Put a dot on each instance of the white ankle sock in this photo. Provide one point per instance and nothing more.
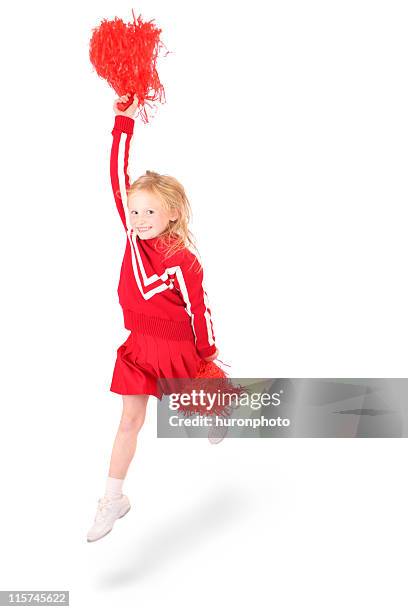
(114, 487)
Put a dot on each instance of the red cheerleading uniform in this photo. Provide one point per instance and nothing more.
(164, 302)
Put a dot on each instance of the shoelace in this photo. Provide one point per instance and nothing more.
(103, 505)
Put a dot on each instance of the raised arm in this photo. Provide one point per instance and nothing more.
(122, 133)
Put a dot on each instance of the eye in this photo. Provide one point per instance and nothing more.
(133, 211)
(150, 211)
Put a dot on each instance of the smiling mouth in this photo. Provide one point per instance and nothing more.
(144, 229)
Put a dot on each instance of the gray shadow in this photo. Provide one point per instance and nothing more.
(175, 536)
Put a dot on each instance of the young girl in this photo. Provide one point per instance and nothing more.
(165, 305)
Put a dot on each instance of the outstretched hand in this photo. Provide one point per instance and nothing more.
(131, 110)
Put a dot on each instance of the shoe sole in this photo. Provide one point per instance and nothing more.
(105, 534)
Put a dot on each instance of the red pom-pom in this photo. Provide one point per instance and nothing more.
(211, 379)
(125, 55)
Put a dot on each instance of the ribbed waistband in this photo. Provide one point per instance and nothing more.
(154, 326)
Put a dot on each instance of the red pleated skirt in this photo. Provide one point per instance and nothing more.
(155, 349)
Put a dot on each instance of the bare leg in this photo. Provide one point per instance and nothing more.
(124, 446)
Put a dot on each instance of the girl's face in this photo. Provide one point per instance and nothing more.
(147, 215)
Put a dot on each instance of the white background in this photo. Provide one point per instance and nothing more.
(287, 124)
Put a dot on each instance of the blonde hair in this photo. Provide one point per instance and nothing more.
(173, 198)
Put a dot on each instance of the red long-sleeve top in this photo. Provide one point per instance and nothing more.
(157, 295)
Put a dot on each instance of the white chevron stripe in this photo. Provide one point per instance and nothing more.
(155, 290)
(146, 280)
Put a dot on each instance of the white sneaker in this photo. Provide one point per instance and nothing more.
(107, 512)
(217, 433)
